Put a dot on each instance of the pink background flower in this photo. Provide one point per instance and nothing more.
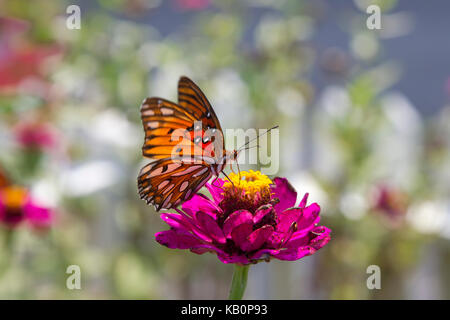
(17, 206)
(35, 135)
(192, 4)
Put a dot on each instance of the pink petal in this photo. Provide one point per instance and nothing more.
(215, 189)
(285, 193)
(299, 239)
(287, 218)
(183, 222)
(275, 240)
(200, 202)
(322, 237)
(210, 226)
(240, 233)
(316, 238)
(263, 253)
(261, 213)
(201, 249)
(222, 255)
(38, 216)
(309, 217)
(256, 239)
(177, 239)
(236, 219)
(284, 254)
(233, 259)
(304, 201)
(294, 254)
(176, 221)
(204, 247)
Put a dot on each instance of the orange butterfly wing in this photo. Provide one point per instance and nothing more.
(191, 98)
(165, 183)
(178, 136)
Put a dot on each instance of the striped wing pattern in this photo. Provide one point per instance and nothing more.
(176, 137)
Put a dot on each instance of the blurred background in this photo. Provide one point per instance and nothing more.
(364, 128)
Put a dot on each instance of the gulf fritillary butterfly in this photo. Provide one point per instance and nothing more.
(181, 168)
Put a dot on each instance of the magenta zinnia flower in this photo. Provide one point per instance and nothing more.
(391, 203)
(17, 206)
(246, 221)
(36, 135)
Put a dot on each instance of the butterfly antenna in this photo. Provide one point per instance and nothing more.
(257, 146)
(259, 135)
(228, 178)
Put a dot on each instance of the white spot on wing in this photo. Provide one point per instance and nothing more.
(168, 188)
(166, 111)
(188, 170)
(156, 172)
(200, 172)
(163, 184)
(183, 186)
(166, 201)
(148, 112)
(153, 124)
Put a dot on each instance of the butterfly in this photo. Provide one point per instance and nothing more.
(187, 145)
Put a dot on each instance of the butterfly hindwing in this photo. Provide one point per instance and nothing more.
(167, 183)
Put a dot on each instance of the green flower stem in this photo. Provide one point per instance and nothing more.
(239, 282)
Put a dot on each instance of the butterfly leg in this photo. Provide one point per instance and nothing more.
(228, 178)
(239, 170)
(212, 183)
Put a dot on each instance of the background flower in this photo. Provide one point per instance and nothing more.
(35, 135)
(17, 206)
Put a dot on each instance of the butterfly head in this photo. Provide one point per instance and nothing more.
(231, 156)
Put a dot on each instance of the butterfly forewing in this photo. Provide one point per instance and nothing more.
(191, 97)
(166, 125)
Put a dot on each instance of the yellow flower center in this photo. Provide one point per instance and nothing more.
(248, 190)
(249, 183)
(14, 197)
